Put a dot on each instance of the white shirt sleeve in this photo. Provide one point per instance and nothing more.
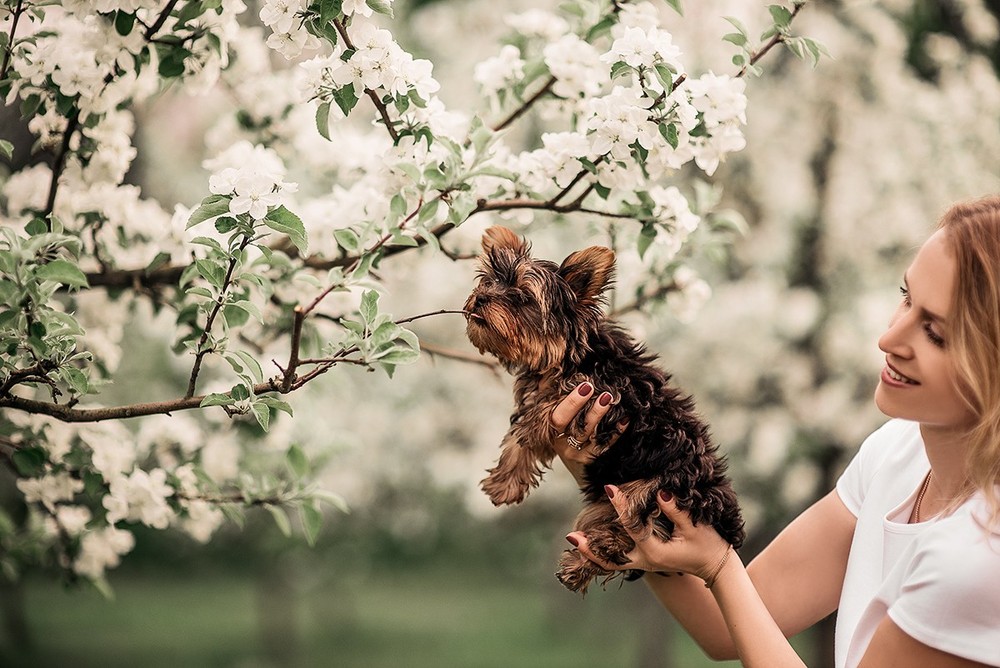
(950, 596)
(854, 482)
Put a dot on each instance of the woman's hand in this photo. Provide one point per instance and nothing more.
(695, 549)
(575, 449)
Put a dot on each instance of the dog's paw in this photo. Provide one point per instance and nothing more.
(575, 571)
(503, 493)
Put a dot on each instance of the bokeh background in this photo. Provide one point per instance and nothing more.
(847, 167)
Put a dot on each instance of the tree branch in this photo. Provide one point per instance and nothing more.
(200, 354)
(9, 51)
(59, 162)
(520, 111)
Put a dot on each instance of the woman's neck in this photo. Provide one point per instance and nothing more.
(945, 448)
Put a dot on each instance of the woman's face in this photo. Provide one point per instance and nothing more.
(918, 381)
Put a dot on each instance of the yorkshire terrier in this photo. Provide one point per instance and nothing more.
(545, 323)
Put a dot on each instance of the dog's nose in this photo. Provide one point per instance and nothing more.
(479, 302)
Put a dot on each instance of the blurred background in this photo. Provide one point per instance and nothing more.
(847, 168)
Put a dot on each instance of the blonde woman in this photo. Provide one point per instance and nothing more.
(907, 547)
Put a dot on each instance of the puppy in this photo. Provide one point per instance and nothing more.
(545, 323)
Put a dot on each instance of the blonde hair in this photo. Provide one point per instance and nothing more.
(973, 230)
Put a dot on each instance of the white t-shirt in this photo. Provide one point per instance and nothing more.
(938, 580)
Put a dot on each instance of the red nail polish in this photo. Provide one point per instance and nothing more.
(604, 399)
(665, 496)
(571, 539)
(610, 491)
(585, 389)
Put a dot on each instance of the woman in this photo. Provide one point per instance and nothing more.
(907, 547)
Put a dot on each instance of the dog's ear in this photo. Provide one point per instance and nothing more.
(589, 272)
(497, 237)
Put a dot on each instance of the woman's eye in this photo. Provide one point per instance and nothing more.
(906, 295)
(934, 337)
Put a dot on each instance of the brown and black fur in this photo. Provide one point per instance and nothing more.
(545, 323)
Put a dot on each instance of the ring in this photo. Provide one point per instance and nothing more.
(573, 443)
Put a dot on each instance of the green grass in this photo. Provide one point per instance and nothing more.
(414, 618)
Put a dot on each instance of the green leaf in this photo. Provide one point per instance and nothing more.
(277, 404)
(63, 272)
(36, 226)
(239, 392)
(6, 149)
(736, 23)
(284, 221)
(348, 240)
(781, 16)
(398, 356)
(280, 519)
(345, 98)
(234, 514)
(312, 521)
(211, 272)
(262, 413)
(620, 68)
(297, 460)
(217, 400)
(676, 4)
(30, 462)
(249, 307)
(739, 39)
(323, 120)
(211, 207)
(380, 6)
(646, 237)
(75, 379)
(124, 22)
(251, 363)
(369, 306)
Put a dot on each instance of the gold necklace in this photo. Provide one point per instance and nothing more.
(920, 498)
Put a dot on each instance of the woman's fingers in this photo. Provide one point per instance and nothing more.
(579, 540)
(563, 414)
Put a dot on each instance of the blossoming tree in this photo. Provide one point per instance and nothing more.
(271, 276)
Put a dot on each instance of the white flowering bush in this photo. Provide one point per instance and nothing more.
(335, 155)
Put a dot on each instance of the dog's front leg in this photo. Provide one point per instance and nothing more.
(524, 455)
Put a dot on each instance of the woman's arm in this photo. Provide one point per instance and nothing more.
(790, 586)
(891, 647)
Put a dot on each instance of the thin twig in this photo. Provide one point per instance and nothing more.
(774, 41)
(383, 112)
(60, 162)
(9, 51)
(520, 111)
(160, 20)
(461, 356)
(200, 354)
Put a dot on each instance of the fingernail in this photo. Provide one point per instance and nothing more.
(585, 389)
(665, 496)
(604, 399)
(571, 539)
(610, 491)
(622, 425)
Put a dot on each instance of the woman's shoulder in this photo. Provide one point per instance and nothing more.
(893, 442)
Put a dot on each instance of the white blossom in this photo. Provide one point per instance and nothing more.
(201, 520)
(140, 497)
(73, 519)
(102, 549)
(50, 489)
(499, 72)
(576, 65)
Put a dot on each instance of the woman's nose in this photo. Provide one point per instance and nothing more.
(894, 339)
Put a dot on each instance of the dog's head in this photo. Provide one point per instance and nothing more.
(531, 313)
